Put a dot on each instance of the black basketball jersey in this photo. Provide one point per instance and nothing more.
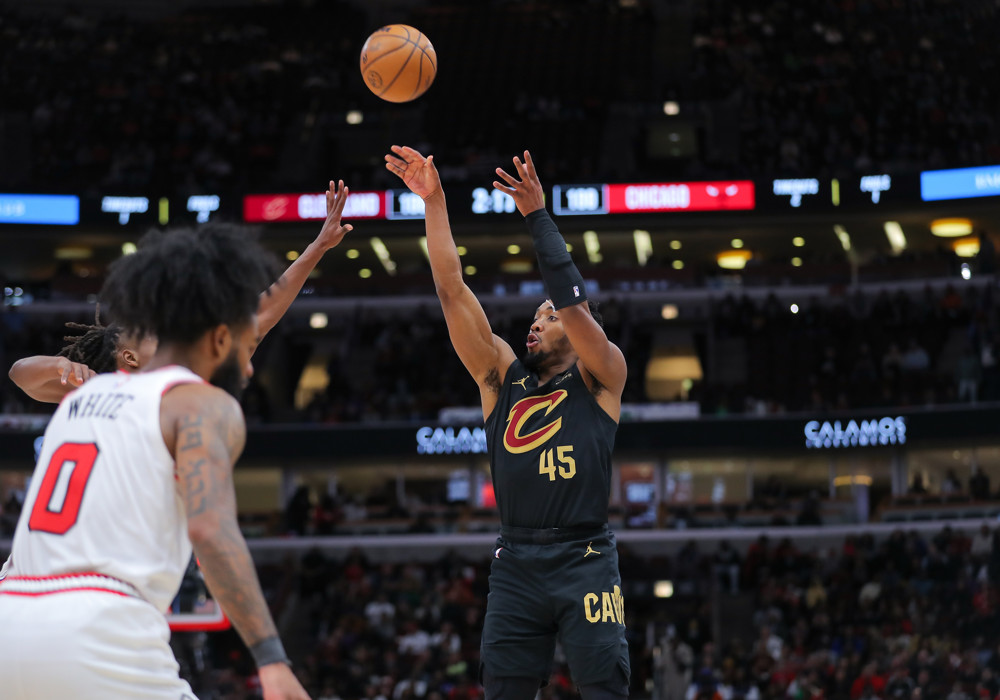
(550, 451)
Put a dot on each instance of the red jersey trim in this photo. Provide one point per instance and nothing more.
(27, 594)
(66, 583)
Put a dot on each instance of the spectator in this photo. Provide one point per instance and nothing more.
(869, 684)
(900, 683)
(968, 374)
(917, 488)
(675, 668)
(727, 567)
(982, 543)
(951, 484)
(298, 511)
(979, 484)
(915, 360)
(987, 256)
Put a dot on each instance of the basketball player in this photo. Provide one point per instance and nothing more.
(101, 348)
(134, 473)
(551, 419)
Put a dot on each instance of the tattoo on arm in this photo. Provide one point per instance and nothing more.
(231, 577)
(191, 467)
(190, 432)
(208, 444)
(194, 489)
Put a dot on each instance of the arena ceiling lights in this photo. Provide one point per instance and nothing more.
(733, 259)
(951, 228)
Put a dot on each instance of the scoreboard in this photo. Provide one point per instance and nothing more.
(867, 192)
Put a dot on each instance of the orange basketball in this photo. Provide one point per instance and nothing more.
(398, 63)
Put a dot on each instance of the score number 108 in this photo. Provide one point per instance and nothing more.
(569, 200)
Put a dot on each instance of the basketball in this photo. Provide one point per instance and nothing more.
(398, 63)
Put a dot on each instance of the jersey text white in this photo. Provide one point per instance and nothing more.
(103, 497)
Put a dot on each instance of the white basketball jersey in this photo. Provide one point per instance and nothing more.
(103, 497)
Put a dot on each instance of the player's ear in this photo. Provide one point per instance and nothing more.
(127, 357)
(221, 341)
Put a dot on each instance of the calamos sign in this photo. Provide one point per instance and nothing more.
(856, 433)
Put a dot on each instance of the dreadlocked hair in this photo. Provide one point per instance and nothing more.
(95, 346)
(183, 282)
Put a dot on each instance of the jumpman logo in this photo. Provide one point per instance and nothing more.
(590, 550)
(520, 382)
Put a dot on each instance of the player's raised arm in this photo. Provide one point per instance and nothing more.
(48, 378)
(563, 281)
(204, 429)
(485, 355)
(279, 296)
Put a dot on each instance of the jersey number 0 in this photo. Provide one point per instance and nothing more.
(57, 516)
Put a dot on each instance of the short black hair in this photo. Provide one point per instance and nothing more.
(592, 307)
(181, 283)
(96, 345)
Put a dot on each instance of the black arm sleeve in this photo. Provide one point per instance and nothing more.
(563, 280)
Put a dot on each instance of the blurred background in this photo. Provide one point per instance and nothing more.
(787, 211)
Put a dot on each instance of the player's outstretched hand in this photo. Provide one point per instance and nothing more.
(416, 172)
(278, 682)
(527, 192)
(73, 373)
(333, 230)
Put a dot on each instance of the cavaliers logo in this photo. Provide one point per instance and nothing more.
(521, 412)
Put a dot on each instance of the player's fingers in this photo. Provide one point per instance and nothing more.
(529, 164)
(64, 375)
(509, 179)
(339, 201)
(503, 188)
(396, 162)
(411, 154)
(79, 374)
(348, 228)
(91, 373)
(520, 168)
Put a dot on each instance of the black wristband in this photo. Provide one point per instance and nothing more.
(269, 651)
(563, 280)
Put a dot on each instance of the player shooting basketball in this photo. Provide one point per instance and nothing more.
(551, 419)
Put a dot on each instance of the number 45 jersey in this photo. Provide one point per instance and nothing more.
(550, 451)
(103, 497)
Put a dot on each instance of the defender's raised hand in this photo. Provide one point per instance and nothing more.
(333, 230)
(276, 299)
(527, 192)
(416, 172)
